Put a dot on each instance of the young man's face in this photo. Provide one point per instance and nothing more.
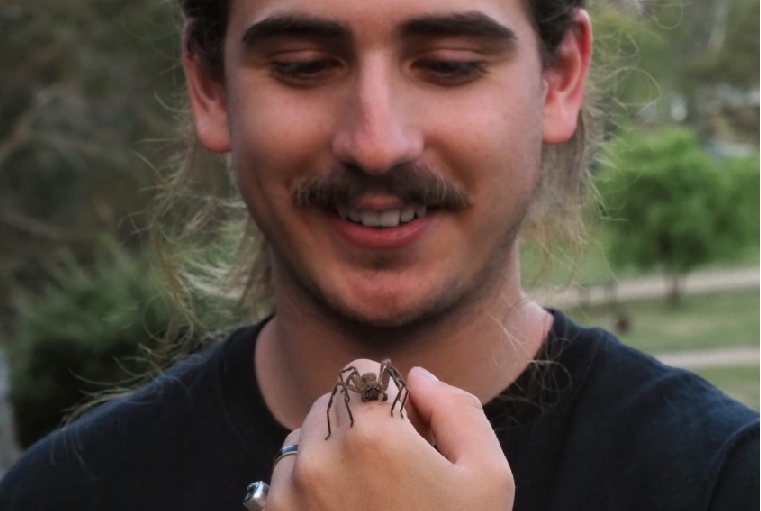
(367, 95)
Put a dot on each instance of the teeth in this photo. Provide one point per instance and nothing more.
(390, 218)
(371, 218)
(379, 219)
(355, 215)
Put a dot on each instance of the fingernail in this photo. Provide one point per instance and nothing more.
(425, 373)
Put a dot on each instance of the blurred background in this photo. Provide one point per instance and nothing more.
(91, 102)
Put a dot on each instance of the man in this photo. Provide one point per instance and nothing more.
(390, 152)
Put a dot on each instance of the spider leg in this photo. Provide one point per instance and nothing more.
(402, 394)
(330, 403)
(350, 383)
(348, 369)
(404, 399)
(393, 404)
(342, 384)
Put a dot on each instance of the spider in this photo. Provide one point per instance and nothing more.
(371, 387)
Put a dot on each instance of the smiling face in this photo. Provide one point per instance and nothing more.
(388, 150)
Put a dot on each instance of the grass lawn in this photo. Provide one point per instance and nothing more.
(702, 322)
(741, 382)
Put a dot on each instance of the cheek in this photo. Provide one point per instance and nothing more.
(274, 143)
(494, 151)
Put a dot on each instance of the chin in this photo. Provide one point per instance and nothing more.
(384, 315)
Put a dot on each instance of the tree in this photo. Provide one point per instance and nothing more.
(82, 92)
(83, 335)
(670, 205)
(84, 132)
(694, 62)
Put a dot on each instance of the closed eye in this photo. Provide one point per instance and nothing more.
(451, 72)
(303, 72)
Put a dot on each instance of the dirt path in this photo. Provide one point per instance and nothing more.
(719, 357)
(642, 288)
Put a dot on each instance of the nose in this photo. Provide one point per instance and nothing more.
(376, 132)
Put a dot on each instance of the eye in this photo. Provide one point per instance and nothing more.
(451, 72)
(303, 72)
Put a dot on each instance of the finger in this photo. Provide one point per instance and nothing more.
(281, 472)
(461, 430)
(314, 430)
(418, 423)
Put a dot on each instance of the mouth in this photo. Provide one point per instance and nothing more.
(382, 219)
(382, 223)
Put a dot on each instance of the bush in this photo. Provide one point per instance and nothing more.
(87, 331)
(674, 207)
(745, 176)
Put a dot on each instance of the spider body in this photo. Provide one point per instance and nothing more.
(370, 387)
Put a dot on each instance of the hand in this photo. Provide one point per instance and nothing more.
(383, 462)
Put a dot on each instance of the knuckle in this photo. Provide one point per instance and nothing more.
(362, 435)
(497, 474)
(491, 481)
(307, 474)
(467, 399)
(376, 433)
(366, 439)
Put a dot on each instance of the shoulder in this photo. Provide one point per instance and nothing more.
(122, 442)
(669, 428)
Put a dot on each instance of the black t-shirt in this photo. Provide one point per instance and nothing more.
(591, 425)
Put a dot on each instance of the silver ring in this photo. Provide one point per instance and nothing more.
(256, 496)
(287, 450)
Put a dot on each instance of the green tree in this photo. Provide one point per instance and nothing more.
(85, 333)
(669, 204)
(95, 329)
(81, 115)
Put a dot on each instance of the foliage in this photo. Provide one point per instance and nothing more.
(101, 328)
(670, 204)
(629, 70)
(744, 196)
(84, 333)
(83, 126)
(693, 62)
(731, 52)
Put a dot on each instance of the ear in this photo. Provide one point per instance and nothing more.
(564, 80)
(208, 101)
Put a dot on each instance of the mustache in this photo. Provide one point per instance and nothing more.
(411, 183)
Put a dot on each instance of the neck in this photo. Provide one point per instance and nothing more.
(481, 348)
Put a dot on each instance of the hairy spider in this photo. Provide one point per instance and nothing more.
(371, 387)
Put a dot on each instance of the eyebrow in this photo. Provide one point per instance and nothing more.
(458, 24)
(293, 26)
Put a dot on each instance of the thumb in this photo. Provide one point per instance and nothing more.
(462, 432)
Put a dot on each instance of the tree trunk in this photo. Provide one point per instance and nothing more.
(675, 290)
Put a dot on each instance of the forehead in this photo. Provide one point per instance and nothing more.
(369, 18)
